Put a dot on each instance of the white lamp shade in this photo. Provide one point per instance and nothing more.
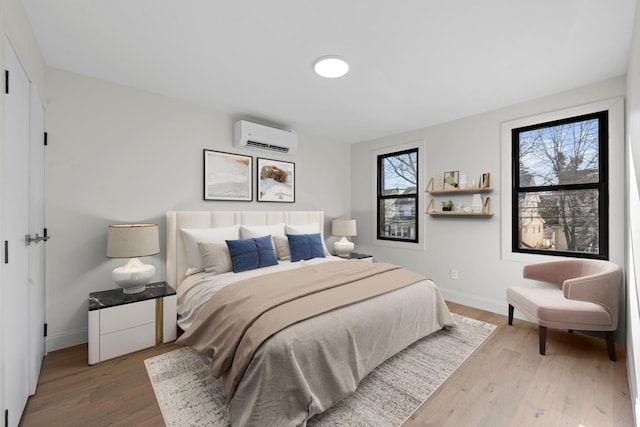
(133, 241)
(343, 227)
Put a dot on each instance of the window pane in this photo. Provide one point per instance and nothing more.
(400, 174)
(558, 155)
(398, 218)
(566, 221)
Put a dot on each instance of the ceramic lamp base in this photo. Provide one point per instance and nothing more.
(133, 276)
(343, 247)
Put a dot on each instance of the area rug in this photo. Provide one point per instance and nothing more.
(189, 396)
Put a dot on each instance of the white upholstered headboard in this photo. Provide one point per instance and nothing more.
(176, 220)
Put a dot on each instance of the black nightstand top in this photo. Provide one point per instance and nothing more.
(115, 297)
(356, 255)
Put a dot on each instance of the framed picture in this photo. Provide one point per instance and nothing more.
(451, 180)
(276, 181)
(227, 176)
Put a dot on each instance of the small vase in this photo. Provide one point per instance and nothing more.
(463, 182)
(476, 203)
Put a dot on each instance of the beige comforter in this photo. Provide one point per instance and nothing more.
(290, 377)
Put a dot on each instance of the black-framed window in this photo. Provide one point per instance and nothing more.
(560, 187)
(398, 196)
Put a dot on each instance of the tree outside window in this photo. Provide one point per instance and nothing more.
(560, 189)
(398, 196)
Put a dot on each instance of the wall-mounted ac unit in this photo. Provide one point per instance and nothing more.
(254, 136)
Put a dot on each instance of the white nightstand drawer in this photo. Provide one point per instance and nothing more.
(127, 341)
(127, 316)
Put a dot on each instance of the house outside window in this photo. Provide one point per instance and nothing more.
(397, 194)
(560, 187)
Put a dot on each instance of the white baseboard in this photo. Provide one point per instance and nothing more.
(494, 306)
(67, 339)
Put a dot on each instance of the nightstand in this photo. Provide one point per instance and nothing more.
(122, 323)
(355, 255)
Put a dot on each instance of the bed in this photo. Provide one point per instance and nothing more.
(282, 371)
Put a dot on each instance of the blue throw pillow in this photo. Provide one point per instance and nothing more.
(248, 254)
(305, 246)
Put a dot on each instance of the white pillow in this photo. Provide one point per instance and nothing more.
(191, 237)
(216, 258)
(253, 231)
(311, 228)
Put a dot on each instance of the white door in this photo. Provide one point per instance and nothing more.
(37, 228)
(23, 272)
(15, 184)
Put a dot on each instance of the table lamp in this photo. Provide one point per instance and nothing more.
(343, 227)
(133, 241)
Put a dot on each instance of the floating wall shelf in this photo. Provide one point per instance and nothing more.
(486, 208)
(472, 214)
(463, 190)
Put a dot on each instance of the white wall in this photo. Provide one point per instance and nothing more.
(470, 245)
(15, 24)
(117, 154)
(633, 213)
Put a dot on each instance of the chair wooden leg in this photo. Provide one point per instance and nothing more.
(542, 331)
(510, 314)
(611, 347)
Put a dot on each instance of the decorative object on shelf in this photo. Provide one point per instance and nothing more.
(133, 241)
(486, 180)
(447, 205)
(476, 203)
(276, 181)
(463, 181)
(438, 183)
(343, 227)
(451, 180)
(227, 176)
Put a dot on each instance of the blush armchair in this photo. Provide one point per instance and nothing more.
(585, 296)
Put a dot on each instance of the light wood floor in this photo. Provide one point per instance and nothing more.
(504, 383)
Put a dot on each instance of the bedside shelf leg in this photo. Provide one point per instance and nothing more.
(159, 320)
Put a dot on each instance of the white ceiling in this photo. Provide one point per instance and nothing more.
(413, 63)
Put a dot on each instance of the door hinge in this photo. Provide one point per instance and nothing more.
(45, 330)
(45, 139)
(6, 81)
(6, 252)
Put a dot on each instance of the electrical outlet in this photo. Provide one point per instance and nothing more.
(454, 273)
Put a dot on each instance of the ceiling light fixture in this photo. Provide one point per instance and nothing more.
(331, 67)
